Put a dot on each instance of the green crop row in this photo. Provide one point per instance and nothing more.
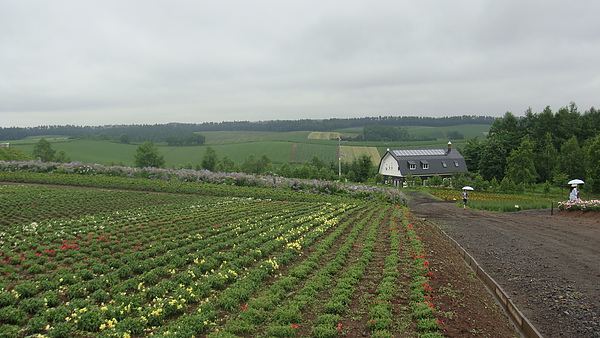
(121, 263)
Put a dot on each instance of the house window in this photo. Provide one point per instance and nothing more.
(456, 163)
(412, 165)
(424, 164)
(444, 164)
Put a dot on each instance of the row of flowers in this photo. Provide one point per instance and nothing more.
(495, 202)
(133, 290)
(421, 300)
(22, 203)
(580, 205)
(272, 313)
(363, 192)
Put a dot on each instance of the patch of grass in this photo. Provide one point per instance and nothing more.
(101, 152)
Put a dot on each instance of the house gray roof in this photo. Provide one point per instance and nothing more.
(428, 162)
(419, 152)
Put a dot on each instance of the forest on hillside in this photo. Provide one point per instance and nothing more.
(176, 131)
(549, 146)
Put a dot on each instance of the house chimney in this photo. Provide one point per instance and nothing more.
(449, 147)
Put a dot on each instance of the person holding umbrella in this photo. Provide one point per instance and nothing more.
(574, 191)
(465, 196)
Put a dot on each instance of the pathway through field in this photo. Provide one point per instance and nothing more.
(547, 264)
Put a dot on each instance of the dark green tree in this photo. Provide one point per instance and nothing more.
(508, 127)
(455, 135)
(305, 171)
(545, 156)
(571, 160)
(504, 137)
(326, 174)
(318, 163)
(227, 165)
(256, 165)
(363, 168)
(492, 159)
(43, 150)
(520, 165)
(384, 133)
(124, 138)
(436, 180)
(264, 163)
(540, 125)
(590, 123)
(249, 165)
(285, 170)
(567, 123)
(593, 165)
(62, 157)
(147, 156)
(210, 159)
(507, 185)
(472, 153)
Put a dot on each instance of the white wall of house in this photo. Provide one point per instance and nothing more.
(389, 166)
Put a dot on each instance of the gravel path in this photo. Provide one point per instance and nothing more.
(548, 264)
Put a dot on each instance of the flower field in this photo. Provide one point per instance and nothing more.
(495, 202)
(96, 175)
(106, 263)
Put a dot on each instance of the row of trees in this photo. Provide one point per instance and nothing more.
(540, 147)
(386, 133)
(160, 132)
(359, 170)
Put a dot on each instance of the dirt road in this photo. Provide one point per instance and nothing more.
(548, 264)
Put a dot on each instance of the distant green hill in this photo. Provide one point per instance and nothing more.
(280, 147)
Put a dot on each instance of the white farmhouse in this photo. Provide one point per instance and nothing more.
(395, 165)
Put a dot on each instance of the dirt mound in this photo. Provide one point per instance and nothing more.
(587, 215)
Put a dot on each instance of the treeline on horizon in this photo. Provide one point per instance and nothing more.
(164, 132)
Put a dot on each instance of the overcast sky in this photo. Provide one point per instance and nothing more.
(150, 61)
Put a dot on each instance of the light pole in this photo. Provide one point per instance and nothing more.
(340, 154)
(340, 158)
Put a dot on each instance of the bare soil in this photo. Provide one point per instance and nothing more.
(547, 264)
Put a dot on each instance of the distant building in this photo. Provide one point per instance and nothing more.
(5, 145)
(395, 165)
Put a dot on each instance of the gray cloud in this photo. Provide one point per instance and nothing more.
(111, 62)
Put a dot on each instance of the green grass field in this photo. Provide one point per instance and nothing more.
(101, 152)
(214, 138)
(278, 152)
(280, 147)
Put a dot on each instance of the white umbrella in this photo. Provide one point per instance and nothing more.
(467, 188)
(576, 181)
